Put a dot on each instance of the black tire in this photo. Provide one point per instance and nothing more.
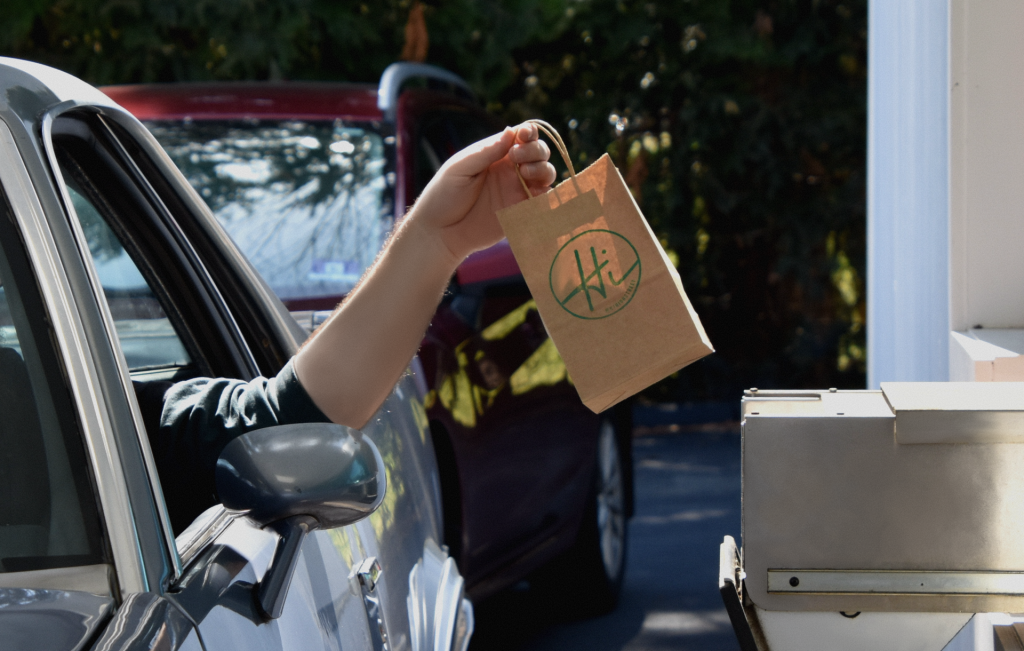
(587, 579)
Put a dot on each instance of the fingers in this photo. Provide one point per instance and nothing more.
(478, 157)
(531, 152)
(526, 132)
(523, 147)
(538, 173)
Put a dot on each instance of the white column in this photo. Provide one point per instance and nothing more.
(908, 191)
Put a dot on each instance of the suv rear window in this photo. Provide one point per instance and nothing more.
(308, 202)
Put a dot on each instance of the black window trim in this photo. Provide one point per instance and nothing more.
(200, 316)
(247, 363)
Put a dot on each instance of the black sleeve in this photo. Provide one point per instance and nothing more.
(201, 416)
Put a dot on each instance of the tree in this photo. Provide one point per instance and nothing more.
(740, 126)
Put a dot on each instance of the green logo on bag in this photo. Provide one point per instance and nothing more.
(595, 274)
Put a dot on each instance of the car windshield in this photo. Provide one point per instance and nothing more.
(308, 202)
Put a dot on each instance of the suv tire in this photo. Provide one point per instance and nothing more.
(587, 579)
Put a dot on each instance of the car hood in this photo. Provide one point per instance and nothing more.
(51, 619)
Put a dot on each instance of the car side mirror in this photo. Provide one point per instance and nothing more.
(296, 479)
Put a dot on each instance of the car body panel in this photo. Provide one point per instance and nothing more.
(146, 621)
(148, 586)
(51, 619)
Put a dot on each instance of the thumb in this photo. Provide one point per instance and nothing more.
(479, 156)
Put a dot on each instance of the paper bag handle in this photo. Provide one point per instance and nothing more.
(556, 139)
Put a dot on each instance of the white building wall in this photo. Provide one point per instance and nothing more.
(987, 164)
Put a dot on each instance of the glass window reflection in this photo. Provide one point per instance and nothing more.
(307, 202)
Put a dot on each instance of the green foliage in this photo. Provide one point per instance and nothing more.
(740, 126)
(119, 41)
(133, 41)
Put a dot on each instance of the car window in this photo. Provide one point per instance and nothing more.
(171, 319)
(48, 514)
(147, 337)
(308, 202)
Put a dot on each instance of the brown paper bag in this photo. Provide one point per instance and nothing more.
(611, 301)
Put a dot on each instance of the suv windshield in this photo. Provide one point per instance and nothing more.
(308, 202)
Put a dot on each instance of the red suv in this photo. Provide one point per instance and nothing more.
(309, 179)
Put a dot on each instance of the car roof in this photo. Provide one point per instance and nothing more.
(237, 100)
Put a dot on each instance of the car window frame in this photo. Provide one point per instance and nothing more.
(232, 357)
(244, 363)
(74, 348)
(155, 498)
(185, 548)
(170, 367)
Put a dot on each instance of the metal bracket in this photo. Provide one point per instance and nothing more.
(367, 573)
(273, 589)
(730, 586)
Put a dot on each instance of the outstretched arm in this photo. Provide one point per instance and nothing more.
(351, 363)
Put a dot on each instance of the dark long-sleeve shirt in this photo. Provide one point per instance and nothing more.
(190, 423)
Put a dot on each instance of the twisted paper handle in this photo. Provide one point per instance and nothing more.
(551, 133)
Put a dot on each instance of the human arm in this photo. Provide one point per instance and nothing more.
(351, 363)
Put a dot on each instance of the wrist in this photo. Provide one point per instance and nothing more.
(428, 244)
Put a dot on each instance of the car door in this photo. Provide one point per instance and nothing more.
(523, 443)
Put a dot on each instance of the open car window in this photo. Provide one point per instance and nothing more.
(149, 342)
(48, 515)
(169, 315)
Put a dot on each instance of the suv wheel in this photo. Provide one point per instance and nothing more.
(610, 507)
(588, 577)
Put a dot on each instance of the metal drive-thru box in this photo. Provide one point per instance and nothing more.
(906, 500)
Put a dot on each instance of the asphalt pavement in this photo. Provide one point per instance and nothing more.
(687, 499)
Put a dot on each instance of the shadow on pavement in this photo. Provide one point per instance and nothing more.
(688, 498)
(519, 619)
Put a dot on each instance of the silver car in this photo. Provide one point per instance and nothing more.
(114, 278)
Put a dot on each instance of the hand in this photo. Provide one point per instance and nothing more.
(460, 203)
